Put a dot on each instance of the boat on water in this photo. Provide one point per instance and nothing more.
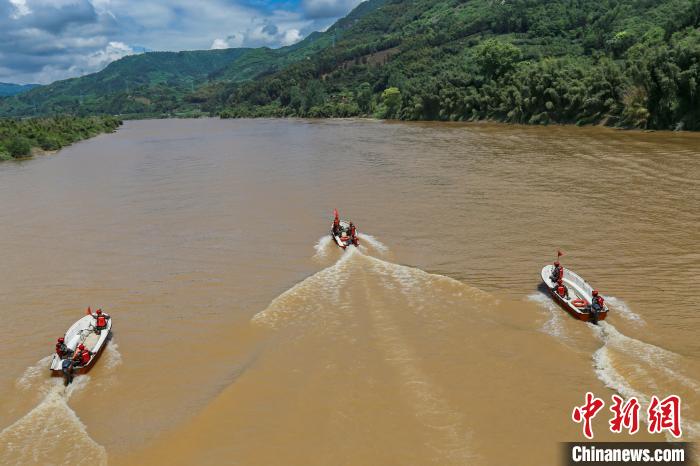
(83, 332)
(344, 232)
(577, 300)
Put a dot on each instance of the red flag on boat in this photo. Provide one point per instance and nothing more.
(559, 254)
(89, 311)
(335, 213)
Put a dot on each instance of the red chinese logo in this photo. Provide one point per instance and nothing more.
(662, 415)
(587, 412)
(665, 415)
(626, 414)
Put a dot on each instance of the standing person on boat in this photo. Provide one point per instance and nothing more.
(562, 290)
(557, 272)
(336, 223)
(101, 319)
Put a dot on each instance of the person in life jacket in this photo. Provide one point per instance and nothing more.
(61, 349)
(597, 302)
(557, 273)
(353, 234)
(82, 356)
(101, 319)
(336, 224)
(562, 290)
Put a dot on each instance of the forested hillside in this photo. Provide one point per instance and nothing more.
(633, 63)
(148, 82)
(628, 63)
(169, 83)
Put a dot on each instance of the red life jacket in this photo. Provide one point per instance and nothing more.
(599, 300)
(59, 351)
(101, 321)
(561, 290)
(85, 357)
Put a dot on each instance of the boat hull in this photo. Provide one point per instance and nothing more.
(573, 311)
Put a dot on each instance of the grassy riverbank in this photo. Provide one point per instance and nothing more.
(21, 137)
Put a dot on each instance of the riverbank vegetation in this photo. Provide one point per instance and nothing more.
(19, 138)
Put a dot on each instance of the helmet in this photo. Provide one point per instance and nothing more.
(595, 292)
(556, 263)
(61, 340)
(81, 347)
(99, 311)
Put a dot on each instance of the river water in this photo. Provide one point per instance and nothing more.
(243, 336)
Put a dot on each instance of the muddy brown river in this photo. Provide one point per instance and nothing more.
(243, 336)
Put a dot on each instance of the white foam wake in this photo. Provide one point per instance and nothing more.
(34, 374)
(369, 242)
(619, 307)
(634, 368)
(51, 433)
(322, 247)
(554, 326)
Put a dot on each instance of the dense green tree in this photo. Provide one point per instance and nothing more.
(18, 137)
(391, 98)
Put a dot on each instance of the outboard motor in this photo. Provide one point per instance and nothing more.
(594, 316)
(67, 369)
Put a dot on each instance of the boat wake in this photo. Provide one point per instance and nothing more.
(554, 326)
(365, 303)
(51, 432)
(634, 368)
(629, 366)
(369, 244)
(619, 307)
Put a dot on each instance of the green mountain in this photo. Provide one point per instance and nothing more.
(8, 89)
(157, 83)
(631, 63)
(146, 82)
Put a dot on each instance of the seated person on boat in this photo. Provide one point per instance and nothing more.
(61, 349)
(82, 356)
(597, 303)
(562, 290)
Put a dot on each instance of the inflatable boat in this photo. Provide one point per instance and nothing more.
(82, 332)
